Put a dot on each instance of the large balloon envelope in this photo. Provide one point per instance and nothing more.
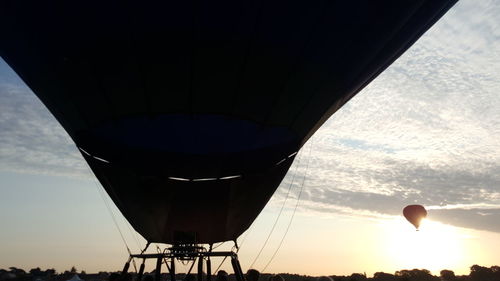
(414, 214)
(190, 112)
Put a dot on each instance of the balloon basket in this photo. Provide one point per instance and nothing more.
(191, 253)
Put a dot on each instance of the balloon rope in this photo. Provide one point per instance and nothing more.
(217, 246)
(133, 233)
(245, 237)
(220, 265)
(111, 214)
(116, 223)
(294, 210)
(191, 268)
(280, 212)
(223, 260)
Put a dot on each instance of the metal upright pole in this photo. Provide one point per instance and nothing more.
(141, 271)
(200, 268)
(172, 269)
(237, 268)
(209, 269)
(126, 266)
(159, 260)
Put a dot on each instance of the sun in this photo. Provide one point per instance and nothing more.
(435, 246)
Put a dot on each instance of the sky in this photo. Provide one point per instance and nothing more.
(424, 132)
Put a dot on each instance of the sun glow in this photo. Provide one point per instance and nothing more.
(435, 246)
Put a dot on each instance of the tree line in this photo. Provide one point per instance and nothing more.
(477, 273)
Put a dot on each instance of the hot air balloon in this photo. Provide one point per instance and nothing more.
(414, 214)
(190, 113)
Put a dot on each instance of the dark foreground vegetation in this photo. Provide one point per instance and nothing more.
(477, 273)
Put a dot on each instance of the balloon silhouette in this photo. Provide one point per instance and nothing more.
(190, 113)
(414, 214)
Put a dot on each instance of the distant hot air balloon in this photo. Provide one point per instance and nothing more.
(414, 214)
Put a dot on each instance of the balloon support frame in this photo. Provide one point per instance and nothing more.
(193, 253)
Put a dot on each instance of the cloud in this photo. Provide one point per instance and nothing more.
(470, 218)
(424, 132)
(32, 141)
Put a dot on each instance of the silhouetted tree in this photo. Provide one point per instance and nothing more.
(496, 272)
(447, 275)
(17, 271)
(416, 275)
(73, 270)
(114, 277)
(481, 273)
(36, 271)
(382, 276)
(357, 277)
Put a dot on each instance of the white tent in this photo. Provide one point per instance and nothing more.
(75, 278)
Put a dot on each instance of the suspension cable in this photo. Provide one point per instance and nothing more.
(133, 233)
(294, 210)
(217, 246)
(223, 260)
(99, 190)
(280, 212)
(246, 236)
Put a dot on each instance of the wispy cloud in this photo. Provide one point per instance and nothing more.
(426, 131)
(32, 141)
